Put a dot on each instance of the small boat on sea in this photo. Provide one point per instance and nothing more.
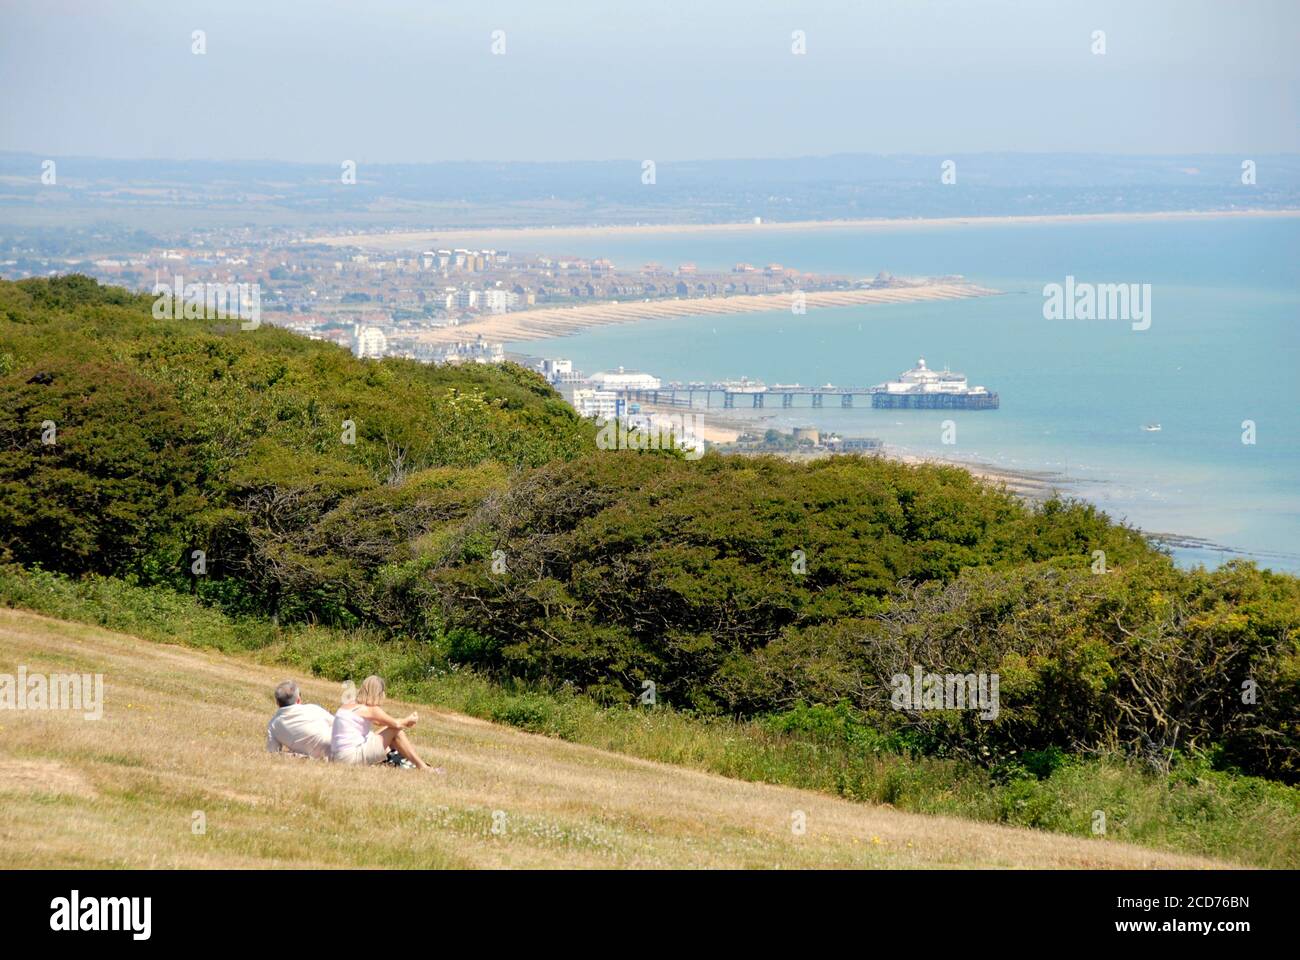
(1151, 428)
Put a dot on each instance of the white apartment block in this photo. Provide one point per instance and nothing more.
(368, 341)
(555, 370)
(604, 404)
(498, 301)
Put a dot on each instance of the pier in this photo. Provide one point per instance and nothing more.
(920, 388)
(753, 394)
(745, 393)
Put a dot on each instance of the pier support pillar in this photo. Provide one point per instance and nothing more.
(846, 400)
(787, 399)
(758, 400)
(728, 401)
(817, 399)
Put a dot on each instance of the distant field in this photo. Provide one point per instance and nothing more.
(183, 731)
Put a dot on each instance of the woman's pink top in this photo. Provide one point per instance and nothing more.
(350, 730)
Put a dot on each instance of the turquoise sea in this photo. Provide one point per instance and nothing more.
(1223, 347)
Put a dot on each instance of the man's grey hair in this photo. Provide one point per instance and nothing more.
(286, 694)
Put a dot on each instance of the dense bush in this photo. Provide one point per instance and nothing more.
(177, 434)
(626, 566)
(1148, 659)
(621, 569)
(99, 466)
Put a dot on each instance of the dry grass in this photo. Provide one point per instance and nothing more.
(183, 731)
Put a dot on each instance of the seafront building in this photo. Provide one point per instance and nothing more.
(622, 379)
(602, 404)
(369, 342)
(602, 397)
(554, 369)
(560, 371)
(498, 301)
(471, 351)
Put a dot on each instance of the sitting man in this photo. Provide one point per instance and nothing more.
(301, 728)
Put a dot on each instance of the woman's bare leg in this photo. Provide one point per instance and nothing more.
(398, 740)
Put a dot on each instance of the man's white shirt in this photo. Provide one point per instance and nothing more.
(303, 728)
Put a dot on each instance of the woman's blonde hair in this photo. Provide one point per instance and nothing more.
(371, 692)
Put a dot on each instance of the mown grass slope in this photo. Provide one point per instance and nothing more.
(182, 732)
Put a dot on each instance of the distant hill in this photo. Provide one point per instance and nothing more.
(163, 198)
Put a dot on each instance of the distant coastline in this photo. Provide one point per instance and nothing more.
(506, 237)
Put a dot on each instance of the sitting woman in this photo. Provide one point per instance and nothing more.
(355, 741)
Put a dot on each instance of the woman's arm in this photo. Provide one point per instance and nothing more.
(381, 716)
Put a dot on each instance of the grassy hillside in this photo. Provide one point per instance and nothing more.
(1194, 809)
(182, 734)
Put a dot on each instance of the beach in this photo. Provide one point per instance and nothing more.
(550, 322)
(546, 238)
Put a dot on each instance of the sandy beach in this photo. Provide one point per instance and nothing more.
(709, 426)
(564, 321)
(545, 239)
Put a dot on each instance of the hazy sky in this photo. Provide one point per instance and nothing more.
(383, 81)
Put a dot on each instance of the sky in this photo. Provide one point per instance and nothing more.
(385, 81)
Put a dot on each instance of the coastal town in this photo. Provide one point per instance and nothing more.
(450, 304)
(454, 305)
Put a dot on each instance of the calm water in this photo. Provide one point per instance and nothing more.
(1223, 347)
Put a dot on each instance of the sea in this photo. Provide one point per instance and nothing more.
(1217, 367)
